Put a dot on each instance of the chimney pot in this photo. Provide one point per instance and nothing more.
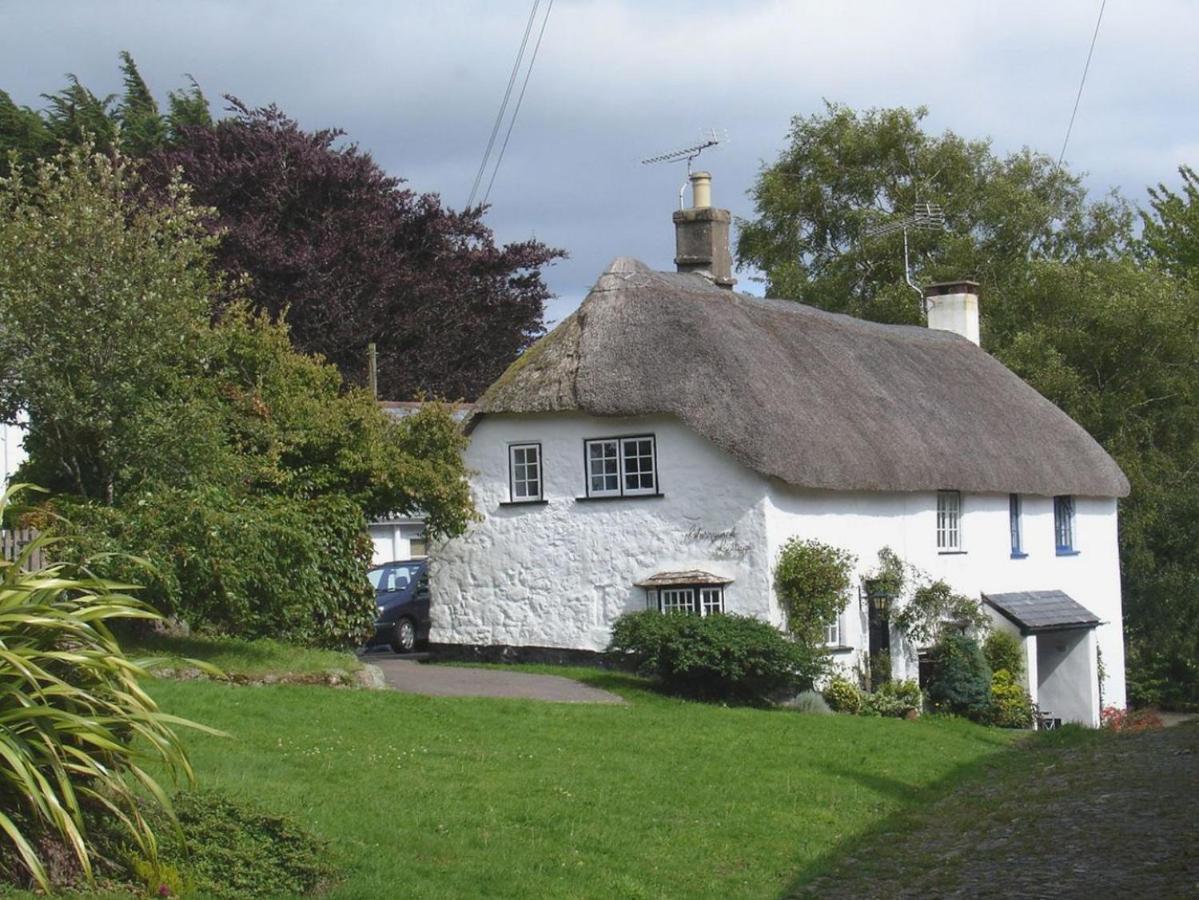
(701, 190)
(953, 306)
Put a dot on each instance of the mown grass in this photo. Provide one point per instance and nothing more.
(234, 656)
(471, 797)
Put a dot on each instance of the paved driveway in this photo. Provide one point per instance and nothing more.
(459, 681)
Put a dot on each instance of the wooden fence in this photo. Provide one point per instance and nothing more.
(14, 540)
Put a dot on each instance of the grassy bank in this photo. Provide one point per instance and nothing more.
(463, 797)
(251, 659)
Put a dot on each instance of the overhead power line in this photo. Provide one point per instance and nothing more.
(499, 116)
(1086, 68)
(520, 97)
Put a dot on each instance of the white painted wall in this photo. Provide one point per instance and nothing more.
(393, 539)
(559, 574)
(12, 453)
(1067, 676)
(865, 522)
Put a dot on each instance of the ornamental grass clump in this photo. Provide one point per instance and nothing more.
(76, 728)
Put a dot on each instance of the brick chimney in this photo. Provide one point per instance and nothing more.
(701, 235)
(953, 306)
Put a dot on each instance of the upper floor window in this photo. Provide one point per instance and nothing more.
(949, 521)
(832, 633)
(620, 467)
(1016, 525)
(1063, 525)
(524, 472)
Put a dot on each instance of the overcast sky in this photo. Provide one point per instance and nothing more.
(418, 85)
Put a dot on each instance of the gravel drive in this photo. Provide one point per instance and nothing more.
(1112, 816)
(461, 681)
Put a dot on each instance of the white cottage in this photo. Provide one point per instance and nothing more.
(661, 444)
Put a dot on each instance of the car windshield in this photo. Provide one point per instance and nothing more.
(393, 576)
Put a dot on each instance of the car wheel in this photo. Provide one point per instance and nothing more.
(403, 639)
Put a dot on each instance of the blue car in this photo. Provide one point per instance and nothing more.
(402, 601)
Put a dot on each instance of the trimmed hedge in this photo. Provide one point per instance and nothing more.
(719, 657)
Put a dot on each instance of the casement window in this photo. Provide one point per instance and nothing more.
(949, 521)
(1016, 525)
(524, 472)
(698, 600)
(1063, 525)
(832, 633)
(621, 467)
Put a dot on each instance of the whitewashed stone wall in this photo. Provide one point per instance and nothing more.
(865, 522)
(559, 574)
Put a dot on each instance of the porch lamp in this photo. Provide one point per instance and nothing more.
(878, 594)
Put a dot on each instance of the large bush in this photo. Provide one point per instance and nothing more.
(257, 566)
(76, 729)
(720, 657)
(1003, 650)
(812, 581)
(1010, 705)
(961, 679)
(843, 696)
(893, 698)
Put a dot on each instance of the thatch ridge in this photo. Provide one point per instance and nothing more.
(816, 399)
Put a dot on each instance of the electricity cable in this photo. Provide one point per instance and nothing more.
(1081, 84)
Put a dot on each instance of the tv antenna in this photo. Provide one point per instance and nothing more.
(924, 217)
(711, 139)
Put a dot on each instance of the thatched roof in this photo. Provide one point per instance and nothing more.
(815, 399)
(690, 576)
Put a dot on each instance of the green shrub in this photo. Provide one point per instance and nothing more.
(76, 729)
(1010, 705)
(810, 702)
(1003, 650)
(843, 696)
(880, 669)
(812, 580)
(260, 566)
(961, 680)
(720, 657)
(895, 698)
(231, 849)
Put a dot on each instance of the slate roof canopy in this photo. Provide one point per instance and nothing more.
(815, 399)
(1036, 611)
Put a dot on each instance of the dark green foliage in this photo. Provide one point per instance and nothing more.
(251, 566)
(1010, 705)
(231, 849)
(1171, 233)
(720, 657)
(143, 130)
(1004, 650)
(961, 679)
(843, 696)
(812, 580)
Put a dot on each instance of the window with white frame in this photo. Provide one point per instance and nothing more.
(832, 633)
(621, 467)
(524, 472)
(1063, 524)
(949, 521)
(697, 600)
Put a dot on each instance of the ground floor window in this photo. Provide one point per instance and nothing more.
(698, 600)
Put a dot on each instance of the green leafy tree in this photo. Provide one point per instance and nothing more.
(812, 581)
(843, 173)
(238, 467)
(143, 128)
(1171, 232)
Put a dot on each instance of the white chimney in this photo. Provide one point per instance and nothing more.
(953, 306)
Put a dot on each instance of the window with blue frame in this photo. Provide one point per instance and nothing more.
(1016, 526)
(1063, 525)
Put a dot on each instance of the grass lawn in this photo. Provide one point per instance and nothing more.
(239, 657)
(465, 797)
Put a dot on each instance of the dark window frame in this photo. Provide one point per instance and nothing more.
(1065, 525)
(621, 492)
(1016, 525)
